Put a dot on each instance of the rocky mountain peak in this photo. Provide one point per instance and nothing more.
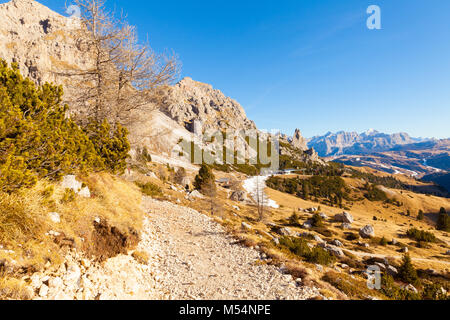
(40, 40)
(299, 141)
(189, 101)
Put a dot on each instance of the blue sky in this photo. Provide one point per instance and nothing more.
(312, 64)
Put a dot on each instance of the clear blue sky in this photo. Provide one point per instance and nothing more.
(312, 64)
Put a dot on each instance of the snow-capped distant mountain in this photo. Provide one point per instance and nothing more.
(352, 143)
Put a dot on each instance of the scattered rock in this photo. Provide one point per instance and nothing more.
(43, 291)
(70, 182)
(238, 196)
(246, 226)
(54, 217)
(307, 225)
(404, 250)
(337, 243)
(411, 288)
(367, 232)
(55, 283)
(344, 217)
(318, 239)
(285, 231)
(334, 250)
(196, 194)
(323, 215)
(346, 226)
(394, 242)
(392, 270)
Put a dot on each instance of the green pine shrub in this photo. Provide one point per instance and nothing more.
(406, 271)
(205, 177)
(39, 140)
(443, 222)
(421, 235)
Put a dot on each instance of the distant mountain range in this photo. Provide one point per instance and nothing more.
(352, 143)
(427, 159)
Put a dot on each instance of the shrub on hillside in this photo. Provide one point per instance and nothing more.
(420, 235)
(299, 247)
(420, 216)
(150, 189)
(317, 221)
(391, 290)
(406, 271)
(443, 222)
(38, 140)
(205, 177)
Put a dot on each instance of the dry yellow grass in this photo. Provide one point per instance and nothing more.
(13, 289)
(25, 221)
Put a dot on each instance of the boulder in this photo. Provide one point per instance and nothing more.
(196, 194)
(344, 217)
(54, 217)
(55, 284)
(323, 215)
(346, 226)
(307, 225)
(285, 231)
(367, 232)
(70, 182)
(337, 243)
(318, 239)
(392, 270)
(334, 250)
(411, 288)
(238, 196)
(246, 226)
(43, 291)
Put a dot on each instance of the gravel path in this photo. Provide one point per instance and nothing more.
(190, 257)
(196, 259)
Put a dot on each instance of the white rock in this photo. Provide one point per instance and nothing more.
(35, 281)
(367, 232)
(54, 217)
(392, 270)
(246, 226)
(196, 194)
(73, 274)
(85, 263)
(318, 239)
(70, 182)
(411, 288)
(55, 283)
(337, 243)
(285, 231)
(344, 217)
(307, 225)
(43, 291)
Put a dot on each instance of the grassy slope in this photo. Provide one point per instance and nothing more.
(25, 223)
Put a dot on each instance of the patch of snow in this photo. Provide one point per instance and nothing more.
(255, 186)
